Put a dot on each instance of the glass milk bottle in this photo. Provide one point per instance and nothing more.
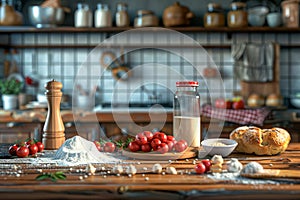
(83, 16)
(186, 116)
(102, 16)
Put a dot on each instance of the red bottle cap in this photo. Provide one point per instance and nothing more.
(187, 84)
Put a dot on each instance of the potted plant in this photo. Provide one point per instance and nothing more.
(10, 90)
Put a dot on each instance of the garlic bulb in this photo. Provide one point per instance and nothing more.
(131, 170)
(252, 168)
(171, 170)
(118, 169)
(157, 168)
(217, 159)
(234, 165)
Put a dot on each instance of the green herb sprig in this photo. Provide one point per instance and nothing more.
(52, 176)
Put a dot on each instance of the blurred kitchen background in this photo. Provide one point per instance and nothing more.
(59, 55)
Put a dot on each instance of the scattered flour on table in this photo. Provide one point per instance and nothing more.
(239, 179)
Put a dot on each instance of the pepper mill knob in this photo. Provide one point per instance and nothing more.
(54, 135)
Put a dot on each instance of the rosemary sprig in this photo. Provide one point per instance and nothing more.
(52, 176)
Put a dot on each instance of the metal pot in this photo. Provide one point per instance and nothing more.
(45, 17)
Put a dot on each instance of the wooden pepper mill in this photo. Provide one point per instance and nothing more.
(54, 135)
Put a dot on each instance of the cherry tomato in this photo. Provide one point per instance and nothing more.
(109, 147)
(161, 136)
(207, 164)
(184, 142)
(163, 148)
(170, 145)
(146, 147)
(149, 135)
(155, 142)
(33, 149)
(40, 146)
(170, 138)
(141, 139)
(133, 146)
(13, 149)
(22, 152)
(98, 145)
(179, 147)
(200, 168)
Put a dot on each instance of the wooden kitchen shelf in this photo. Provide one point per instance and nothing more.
(66, 46)
(68, 29)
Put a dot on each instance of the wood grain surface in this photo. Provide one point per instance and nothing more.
(147, 185)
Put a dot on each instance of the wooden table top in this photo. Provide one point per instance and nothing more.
(145, 185)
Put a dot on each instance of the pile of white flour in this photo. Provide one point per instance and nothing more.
(77, 150)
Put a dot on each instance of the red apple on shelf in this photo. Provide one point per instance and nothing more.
(238, 104)
(220, 103)
(228, 104)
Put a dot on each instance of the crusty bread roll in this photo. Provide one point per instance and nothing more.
(260, 141)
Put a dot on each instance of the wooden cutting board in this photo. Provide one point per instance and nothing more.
(274, 173)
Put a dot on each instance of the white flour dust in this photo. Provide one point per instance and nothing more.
(239, 179)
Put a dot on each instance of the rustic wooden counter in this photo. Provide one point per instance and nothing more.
(143, 185)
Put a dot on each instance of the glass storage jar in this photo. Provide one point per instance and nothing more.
(122, 17)
(186, 116)
(102, 16)
(237, 17)
(214, 17)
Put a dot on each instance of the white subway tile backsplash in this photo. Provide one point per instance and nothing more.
(283, 38)
(29, 38)
(96, 38)
(295, 38)
(256, 38)
(55, 39)
(69, 70)
(16, 39)
(240, 38)
(215, 38)
(284, 55)
(270, 37)
(162, 65)
(68, 38)
(295, 69)
(295, 54)
(201, 38)
(228, 83)
(43, 70)
(42, 38)
(68, 56)
(295, 85)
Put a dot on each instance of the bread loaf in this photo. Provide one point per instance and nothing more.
(260, 141)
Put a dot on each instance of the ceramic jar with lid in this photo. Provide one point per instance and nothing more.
(102, 16)
(122, 17)
(237, 17)
(177, 15)
(290, 13)
(214, 17)
(145, 18)
(8, 15)
(83, 16)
